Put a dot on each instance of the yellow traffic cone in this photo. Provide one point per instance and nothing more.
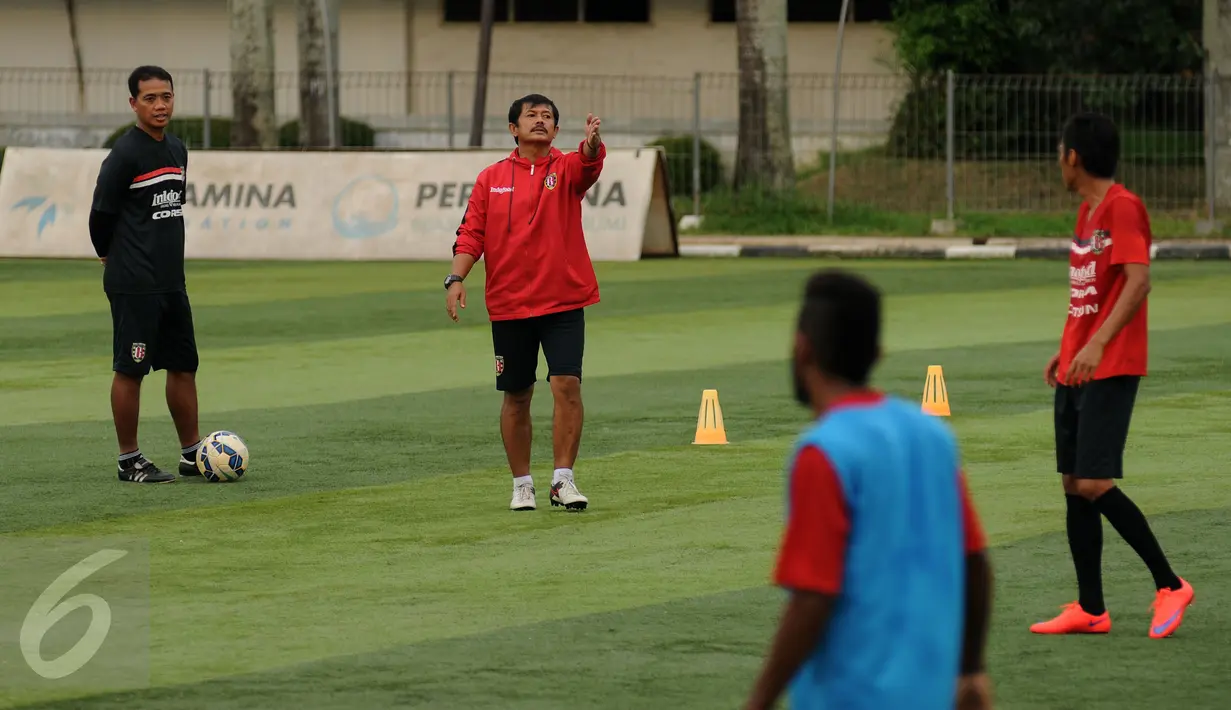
(935, 394)
(710, 429)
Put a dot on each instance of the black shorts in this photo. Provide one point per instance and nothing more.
(1092, 423)
(516, 342)
(152, 332)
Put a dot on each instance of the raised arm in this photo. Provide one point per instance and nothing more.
(589, 156)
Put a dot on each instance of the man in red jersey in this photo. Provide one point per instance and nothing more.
(524, 218)
(1101, 361)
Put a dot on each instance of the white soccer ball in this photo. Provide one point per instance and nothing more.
(223, 457)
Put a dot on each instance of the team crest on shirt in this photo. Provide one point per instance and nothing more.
(138, 352)
(499, 364)
(550, 181)
(1098, 241)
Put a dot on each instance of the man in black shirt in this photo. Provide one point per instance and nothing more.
(137, 227)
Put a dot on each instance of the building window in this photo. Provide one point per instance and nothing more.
(597, 11)
(617, 11)
(723, 11)
(468, 10)
(546, 11)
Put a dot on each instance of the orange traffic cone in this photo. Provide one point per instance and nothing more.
(935, 394)
(710, 429)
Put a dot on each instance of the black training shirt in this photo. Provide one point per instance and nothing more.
(140, 190)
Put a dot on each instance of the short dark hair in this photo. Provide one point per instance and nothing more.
(1094, 137)
(841, 320)
(519, 105)
(532, 100)
(145, 73)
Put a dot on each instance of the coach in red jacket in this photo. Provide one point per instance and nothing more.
(524, 218)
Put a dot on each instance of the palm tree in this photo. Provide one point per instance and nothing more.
(318, 72)
(763, 158)
(254, 124)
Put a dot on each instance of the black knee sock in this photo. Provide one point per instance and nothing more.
(1130, 522)
(1085, 529)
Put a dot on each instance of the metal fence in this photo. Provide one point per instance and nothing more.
(947, 145)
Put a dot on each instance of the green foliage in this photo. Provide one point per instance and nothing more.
(966, 36)
(191, 130)
(355, 134)
(1051, 42)
(679, 155)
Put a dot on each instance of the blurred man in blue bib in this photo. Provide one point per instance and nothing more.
(883, 554)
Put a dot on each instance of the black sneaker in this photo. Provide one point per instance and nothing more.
(143, 471)
(188, 468)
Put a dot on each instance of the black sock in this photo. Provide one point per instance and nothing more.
(1130, 522)
(129, 459)
(190, 452)
(1085, 529)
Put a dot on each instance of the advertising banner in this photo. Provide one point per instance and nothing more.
(323, 206)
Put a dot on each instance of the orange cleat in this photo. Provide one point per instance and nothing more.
(1074, 620)
(1169, 607)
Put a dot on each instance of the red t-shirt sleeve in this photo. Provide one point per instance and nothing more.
(813, 550)
(1129, 233)
(976, 541)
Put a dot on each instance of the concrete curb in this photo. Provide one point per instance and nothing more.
(874, 250)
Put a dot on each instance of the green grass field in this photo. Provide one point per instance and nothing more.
(369, 559)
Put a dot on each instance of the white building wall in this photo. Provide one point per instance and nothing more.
(396, 56)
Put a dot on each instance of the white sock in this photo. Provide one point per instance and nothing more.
(561, 474)
(519, 480)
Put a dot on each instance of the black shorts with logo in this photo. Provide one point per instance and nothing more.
(1092, 422)
(152, 331)
(516, 342)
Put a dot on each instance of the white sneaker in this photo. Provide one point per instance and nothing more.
(523, 497)
(565, 493)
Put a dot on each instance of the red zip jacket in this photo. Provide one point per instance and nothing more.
(525, 221)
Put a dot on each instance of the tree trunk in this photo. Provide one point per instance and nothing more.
(1216, 36)
(254, 124)
(74, 36)
(478, 111)
(318, 71)
(763, 158)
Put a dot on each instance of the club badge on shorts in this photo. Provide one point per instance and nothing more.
(138, 352)
(1099, 240)
(499, 364)
(550, 181)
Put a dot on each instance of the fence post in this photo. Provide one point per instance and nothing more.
(449, 99)
(1211, 121)
(205, 112)
(696, 143)
(950, 94)
(837, 91)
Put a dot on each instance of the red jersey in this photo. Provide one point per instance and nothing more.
(1117, 232)
(524, 219)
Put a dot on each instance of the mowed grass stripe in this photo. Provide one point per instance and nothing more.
(338, 370)
(39, 289)
(386, 566)
(705, 651)
(440, 433)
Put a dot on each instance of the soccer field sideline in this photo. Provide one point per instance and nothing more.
(429, 452)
